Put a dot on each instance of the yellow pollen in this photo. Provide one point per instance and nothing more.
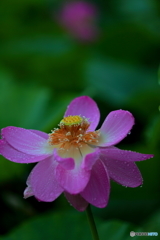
(71, 120)
(73, 133)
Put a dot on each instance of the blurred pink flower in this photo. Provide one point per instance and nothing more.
(79, 19)
(75, 158)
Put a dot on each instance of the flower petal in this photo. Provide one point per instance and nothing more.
(124, 155)
(123, 172)
(42, 181)
(98, 188)
(90, 159)
(26, 141)
(13, 155)
(86, 107)
(28, 192)
(67, 163)
(77, 201)
(73, 181)
(116, 127)
(40, 133)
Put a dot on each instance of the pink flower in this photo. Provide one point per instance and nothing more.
(79, 19)
(75, 158)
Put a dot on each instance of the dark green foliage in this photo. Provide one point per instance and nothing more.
(42, 68)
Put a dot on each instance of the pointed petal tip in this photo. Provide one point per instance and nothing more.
(124, 155)
(28, 192)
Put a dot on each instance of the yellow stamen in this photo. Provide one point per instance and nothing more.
(71, 120)
(73, 136)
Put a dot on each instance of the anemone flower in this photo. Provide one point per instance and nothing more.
(75, 158)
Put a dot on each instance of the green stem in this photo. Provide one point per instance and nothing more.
(92, 223)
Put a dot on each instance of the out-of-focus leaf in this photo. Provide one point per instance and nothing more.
(74, 225)
(116, 230)
(10, 170)
(159, 75)
(137, 8)
(130, 41)
(38, 45)
(152, 133)
(56, 225)
(142, 12)
(153, 223)
(115, 81)
(27, 106)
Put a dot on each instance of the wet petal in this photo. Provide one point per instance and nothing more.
(26, 141)
(86, 107)
(77, 201)
(123, 172)
(42, 181)
(124, 155)
(73, 181)
(116, 127)
(14, 155)
(98, 188)
(40, 133)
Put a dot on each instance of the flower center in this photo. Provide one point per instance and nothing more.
(72, 133)
(71, 120)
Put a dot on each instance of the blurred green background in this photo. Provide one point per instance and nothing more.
(42, 68)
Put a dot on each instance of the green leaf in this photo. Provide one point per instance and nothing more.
(26, 105)
(159, 75)
(152, 224)
(56, 225)
(69, 224)
(44, 45)
(10, 170)
(115, 81)
(116, 230)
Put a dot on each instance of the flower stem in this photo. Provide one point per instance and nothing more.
(92, 223)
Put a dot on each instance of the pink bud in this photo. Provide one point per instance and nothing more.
(79, 18)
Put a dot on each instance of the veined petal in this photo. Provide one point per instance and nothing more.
(116, 127)
(42, 181)
(26, 141)
(98, 188)
(84, 106)
(77, 201)
(124, 155)
(73, 181)
(40, 133)
(14, 155)
(123, 172)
